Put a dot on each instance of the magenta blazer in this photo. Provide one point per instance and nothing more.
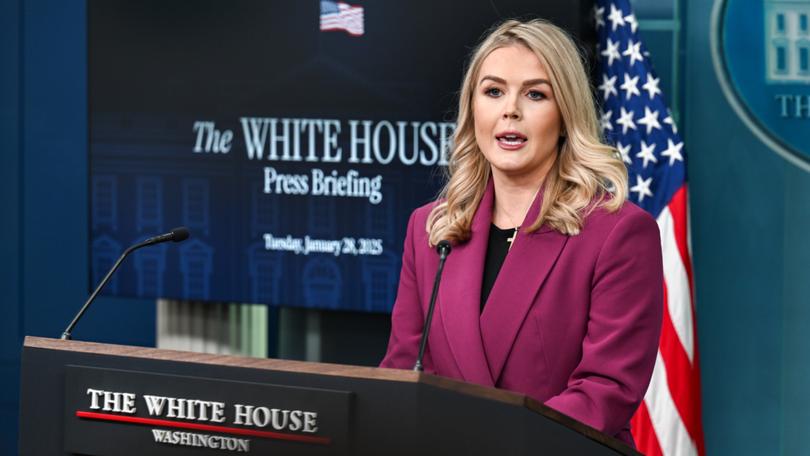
(571, 321)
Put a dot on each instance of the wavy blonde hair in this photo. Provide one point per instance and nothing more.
(585, 171)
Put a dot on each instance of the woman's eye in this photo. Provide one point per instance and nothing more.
(536, 95)
(494, 92)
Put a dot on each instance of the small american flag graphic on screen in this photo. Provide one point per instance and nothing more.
(337, 16)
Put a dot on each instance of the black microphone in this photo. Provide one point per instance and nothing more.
(175, 235)
(443, 249)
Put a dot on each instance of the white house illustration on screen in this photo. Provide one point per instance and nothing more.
(787, 40)
(265, 271)
(196, 266)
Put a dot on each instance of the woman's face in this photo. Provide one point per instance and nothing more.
(517, 120)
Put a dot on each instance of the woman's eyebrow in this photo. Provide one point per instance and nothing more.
(527, 83)
(492, 78)
(538, 81)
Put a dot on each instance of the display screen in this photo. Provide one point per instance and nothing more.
(293, 139)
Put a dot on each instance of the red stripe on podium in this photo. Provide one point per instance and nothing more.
(203, 427)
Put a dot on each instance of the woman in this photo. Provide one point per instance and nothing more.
(554, 286)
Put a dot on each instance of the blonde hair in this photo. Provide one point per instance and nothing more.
(585, 171)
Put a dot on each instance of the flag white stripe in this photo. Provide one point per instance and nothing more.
(673, 438)
(339, 21)
(350, 26)
(331, 15)
(678, 296)
(341, 18)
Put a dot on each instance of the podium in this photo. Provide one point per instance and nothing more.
(98, 399)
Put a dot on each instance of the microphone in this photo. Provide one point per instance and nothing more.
(443, 249)
(178, 234)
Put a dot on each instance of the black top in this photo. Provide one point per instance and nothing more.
(497, 248)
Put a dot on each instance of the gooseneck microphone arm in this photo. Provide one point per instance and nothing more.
(176, 235)
(443, 249)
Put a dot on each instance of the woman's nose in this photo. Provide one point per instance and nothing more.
(511, 111)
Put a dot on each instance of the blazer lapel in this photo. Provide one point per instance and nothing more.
(522, 274)
(460, 297)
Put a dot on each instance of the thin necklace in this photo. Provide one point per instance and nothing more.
(511, 240)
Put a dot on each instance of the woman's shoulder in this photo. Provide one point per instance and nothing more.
(417, 223)
(624, 231)
(602, 219)
(420, 215)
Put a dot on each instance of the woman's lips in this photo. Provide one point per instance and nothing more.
(510, 143)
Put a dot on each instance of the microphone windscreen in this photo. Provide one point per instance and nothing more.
(443, 247)
(179, 234)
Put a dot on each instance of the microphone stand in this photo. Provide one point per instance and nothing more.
(176, 235)
(443, 249)
(66, 335)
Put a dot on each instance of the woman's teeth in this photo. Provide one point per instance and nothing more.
(511, 140)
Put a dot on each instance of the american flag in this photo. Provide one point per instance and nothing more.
(341, 16)
(636, 120)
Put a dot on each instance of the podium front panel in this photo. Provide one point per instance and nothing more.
(96, 399)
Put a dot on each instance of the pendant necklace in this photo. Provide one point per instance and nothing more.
(511, 240)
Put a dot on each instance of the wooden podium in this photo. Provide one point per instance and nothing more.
(97, 399)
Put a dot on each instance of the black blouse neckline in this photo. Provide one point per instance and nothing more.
(497, 248)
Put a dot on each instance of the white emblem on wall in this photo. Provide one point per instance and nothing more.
(787, 35)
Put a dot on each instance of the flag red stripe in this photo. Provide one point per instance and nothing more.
(644, 432)
(342, 29)
(678, 207)
(682, 376)
(679, 374)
